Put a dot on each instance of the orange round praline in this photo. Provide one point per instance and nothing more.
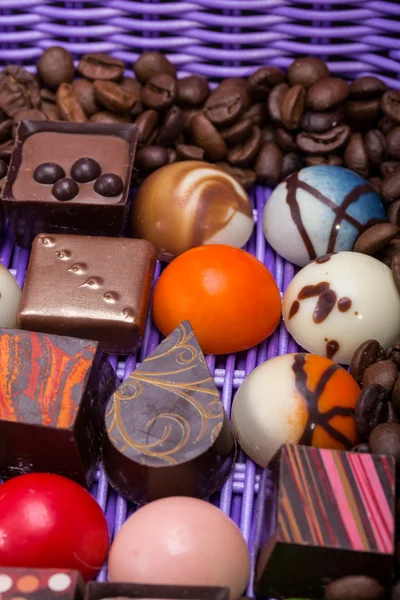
(229, 297)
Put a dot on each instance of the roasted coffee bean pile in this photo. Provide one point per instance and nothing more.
(260, 129)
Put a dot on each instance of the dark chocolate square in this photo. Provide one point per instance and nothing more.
(31, 207)
(124, 591)
(40, 584)
(334, 517)
(53, 392)
(96, 288)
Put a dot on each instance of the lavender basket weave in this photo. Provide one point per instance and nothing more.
(218, 39)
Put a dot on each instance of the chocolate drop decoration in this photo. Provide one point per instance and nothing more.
(167, 431)
(311, 398)
(344, 304)
(326, 300)
(331, 348)
(293, 183)
(294, 309)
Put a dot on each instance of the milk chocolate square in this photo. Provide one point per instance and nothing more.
(32, 207)
(334, 517)
(97, 288)
(53, 392)
(40, 584)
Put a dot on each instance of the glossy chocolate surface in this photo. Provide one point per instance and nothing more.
(33, 208)
(167, 433)
(40, 584)
(53, 392)
(123, 591)
(91, 287)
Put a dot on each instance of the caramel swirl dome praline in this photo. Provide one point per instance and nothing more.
(188, 204)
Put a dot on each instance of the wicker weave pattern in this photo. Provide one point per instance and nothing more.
(217, 38)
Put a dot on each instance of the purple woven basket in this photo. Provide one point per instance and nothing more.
(218, 39)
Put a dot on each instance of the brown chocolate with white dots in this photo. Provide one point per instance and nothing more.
(80, 286)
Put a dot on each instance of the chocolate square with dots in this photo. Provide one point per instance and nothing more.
(53, 392)
(334, 511)
(40, 584)
(90, 287)
(69, 176)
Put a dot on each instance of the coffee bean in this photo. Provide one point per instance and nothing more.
(133, 88)
(335, 160)
(354, 587)
(113, 96)
(263, 80)
(3, 169)
(109, 185)
(386, 125)
(268, 133)
(186, 152)
(188, 114)
(367, 88)
(269, 163)
(376, 183)
(362, 114)
(383, 372)
(285, 140)
(385, 439)
(371, 408)
(48, 95)
(243, 154)
(292, 106)
(393, 353)
(361, 448)
(237, 133)
(312, 160)
(48, 173)
(101, 66)
(275, 100)
(150, 64)
(367, 353)
(159, 92)
(50, 110)
(307, 71)
(324, 143)
(6, 130)
(257, 114)
(65, 189)
(327, 93)
(152, 139)
(68, 105)
(376, 146)
(146, 124)
(172, 155)
(151, 158)
(393, 143)
(375, 238)
(387, 254)
(171, 127)
(55, 66)
(318, 122)
(391, 186)
(227, 103)
(108, 117)
(85, 169)
(396, 396)
(292, 163)
(205, 135)
(84, 92)
(393, 214)
(19, 90)
(396, 270)
(192, 90)
(391, 105)
(387, 167)
(246, 177)
(355, 155)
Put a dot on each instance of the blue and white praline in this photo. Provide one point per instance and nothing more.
(319, 210)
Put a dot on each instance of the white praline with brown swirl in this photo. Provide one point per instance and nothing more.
(190, 204)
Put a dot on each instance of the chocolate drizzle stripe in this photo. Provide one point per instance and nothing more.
(293, 183)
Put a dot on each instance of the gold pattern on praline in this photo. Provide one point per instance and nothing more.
(152, 431)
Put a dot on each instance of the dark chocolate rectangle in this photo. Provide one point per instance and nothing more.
(103, 591)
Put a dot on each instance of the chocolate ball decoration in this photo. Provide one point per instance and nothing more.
(65, 189)
(85, 170)
(189, 204)
(109, 185)
(48, 173)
